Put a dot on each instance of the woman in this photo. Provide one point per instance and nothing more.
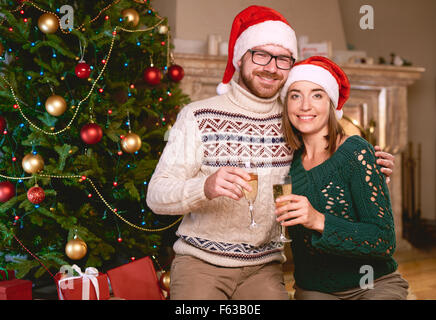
(339, 215)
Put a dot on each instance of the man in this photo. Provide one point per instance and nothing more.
(201, 172)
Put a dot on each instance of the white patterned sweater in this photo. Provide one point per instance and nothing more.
(225, 130)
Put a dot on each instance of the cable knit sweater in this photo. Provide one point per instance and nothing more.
(351, 192)
(226, 130)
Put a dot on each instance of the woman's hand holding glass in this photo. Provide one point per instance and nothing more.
(283, 187)
(298, 210)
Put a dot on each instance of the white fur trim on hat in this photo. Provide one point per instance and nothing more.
(315, 74)
(223, 88)
(267, 32)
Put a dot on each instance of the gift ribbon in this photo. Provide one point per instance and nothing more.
(6, 273)
(89, 276)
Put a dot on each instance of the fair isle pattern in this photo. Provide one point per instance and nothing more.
(234, 138)
(240, 251)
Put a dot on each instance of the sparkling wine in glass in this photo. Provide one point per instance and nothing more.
(284, 187)
(250, 196)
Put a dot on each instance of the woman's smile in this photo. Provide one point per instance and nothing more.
(306, 117)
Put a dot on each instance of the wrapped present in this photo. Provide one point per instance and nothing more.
(16, 289)
(136, 280)
(77, 285)
(6, 274)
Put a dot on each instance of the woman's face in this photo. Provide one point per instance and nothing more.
(308, 107)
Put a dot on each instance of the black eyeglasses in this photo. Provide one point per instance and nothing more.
(263, 58)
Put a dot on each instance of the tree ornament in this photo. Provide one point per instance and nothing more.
(131, 143)
(152, 76)
(2, 49)
(165, 281)
(55, 105)
(82, 70)
(163, 29)
(7, 191)
(131, 16)
(32, 163)
(2, 124)
(48, 23)
(176, 73)
(91, 133)
(76, 248)
(36, 194)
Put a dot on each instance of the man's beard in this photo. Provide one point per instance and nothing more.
(264, 91)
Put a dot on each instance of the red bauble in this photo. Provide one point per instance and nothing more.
(176, 73)
(36, 195)
(7, 191)
(2, 124)
(91, 133)
(82, 70)
(152, 76)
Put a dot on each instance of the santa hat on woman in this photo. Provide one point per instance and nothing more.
(252, 27)
(325, 73)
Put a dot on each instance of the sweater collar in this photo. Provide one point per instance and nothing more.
(248, 101)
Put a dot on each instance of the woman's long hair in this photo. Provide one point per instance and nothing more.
(293, 136)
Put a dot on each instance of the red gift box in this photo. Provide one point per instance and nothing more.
(136, 280)
(16, 289)
(84, 286)
(6, 274)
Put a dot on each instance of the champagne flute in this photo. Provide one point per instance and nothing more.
(284, 187)
(251, 196)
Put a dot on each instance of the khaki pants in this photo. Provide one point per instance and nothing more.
(194, 279)
(389, 287)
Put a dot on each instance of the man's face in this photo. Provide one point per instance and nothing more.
(263, 81)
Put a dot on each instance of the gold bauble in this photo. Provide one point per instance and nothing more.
(163, 29)
(131, 16)
(48, 23)
(165, 280)
(131, 143)
(32, 163)
(55, 105)
(76, 249)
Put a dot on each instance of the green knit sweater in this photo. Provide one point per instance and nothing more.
(351, 192)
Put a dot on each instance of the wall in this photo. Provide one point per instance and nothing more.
(195, 19)
(408, 29)
(168, 9)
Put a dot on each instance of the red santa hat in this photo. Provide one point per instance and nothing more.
(325, 73)
(256, 26)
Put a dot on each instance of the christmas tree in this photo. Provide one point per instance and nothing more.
(87, 94)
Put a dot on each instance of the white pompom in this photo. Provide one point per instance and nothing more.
(222, 88)
(339, 114)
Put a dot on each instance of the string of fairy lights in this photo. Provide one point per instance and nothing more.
(77, 108)
(104, 62)
(84, 178)
(53, 132)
